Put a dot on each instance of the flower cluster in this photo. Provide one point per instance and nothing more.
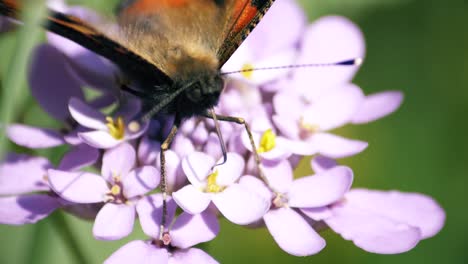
(292, 113)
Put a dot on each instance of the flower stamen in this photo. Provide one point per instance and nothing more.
(212, 186)
(267, 141)
(116, 127)
(247, 70)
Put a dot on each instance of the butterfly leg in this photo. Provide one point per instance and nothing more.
(164, 147)
(241, 121)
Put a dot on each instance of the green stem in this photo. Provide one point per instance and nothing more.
(64, 230)
(12, 92)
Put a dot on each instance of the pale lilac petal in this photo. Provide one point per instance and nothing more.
(320, 164)
(239, 205)
(118, 162)
(292, 232)
(138, 252)
(26, 209)
(328, 39)
(79, 157)
(289, 127)
(149, 210)
(23, 174)
(372, 232)
(378, 105)
(197, 166)
(34, 137)
(78, 187)
(86, 116)
(288, 103)
(148, 151)
(99, 139)
(50, 74)
(191, 256)
(183, 146)
(189, 230)
(254, 185)
(414, 209)
(114, 221)
(279, 174)
(321, 189)
(230, 171)
(334, 146)
(191, 199)
(140, 181)
(335, 109)
(318, 213)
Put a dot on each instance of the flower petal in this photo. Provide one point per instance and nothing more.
(86, 116)
(149, 210)
(378, 105)
(335, 108)
(191, 200)
(321, 163)
(239, 205)
(78, 187)
(138, 252)
(140, 181)
(414, 209)
(189, 230)
(148, 151)
(372, 232)
(49, 74)
(197, 166)
(99, 139)
(26, 209)
(114, 221)
(118, 162)
(33, 137)
(79, 157)
(254, 185)
(279, 174)
(175, 178)
(334, 146)
(230, 171)
(23, 174)
(191, 256)
(292, 232)
(321, 189)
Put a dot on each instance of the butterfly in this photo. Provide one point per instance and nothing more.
(170, 50)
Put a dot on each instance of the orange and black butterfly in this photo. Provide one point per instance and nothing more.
(171, 51)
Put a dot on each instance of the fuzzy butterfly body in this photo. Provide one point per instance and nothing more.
(171, 51)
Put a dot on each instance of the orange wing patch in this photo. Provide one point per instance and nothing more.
(153, 6)
(245, 13)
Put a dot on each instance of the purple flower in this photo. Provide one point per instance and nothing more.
(186, 231)
(107, 132)
(290, 230)
(120, 187)
(386, 222)
(218, 185)
(24, 190)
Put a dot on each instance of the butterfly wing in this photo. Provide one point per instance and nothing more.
(242, 16)
(91, 38)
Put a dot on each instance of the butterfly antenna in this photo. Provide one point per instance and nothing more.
(220, 137)
(350, 62)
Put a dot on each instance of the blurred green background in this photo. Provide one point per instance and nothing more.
(417, 46)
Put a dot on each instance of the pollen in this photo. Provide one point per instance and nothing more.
(212, 186)
(115, 190)
(247, 71)
(116, 127)
(267, 141)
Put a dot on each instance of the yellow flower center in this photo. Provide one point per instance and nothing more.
(212, 186)
(247, 70)
(115, 190)
(267, 141)
(116, 127)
